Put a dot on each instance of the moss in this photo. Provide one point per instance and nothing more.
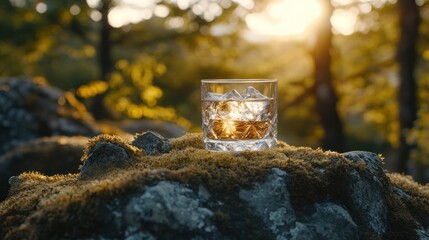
(417, 202)
(130, 149)
(40, 206)
(189, 140)
(409, 185)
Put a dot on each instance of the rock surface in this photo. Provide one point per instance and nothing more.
(31, 109)
(170, 204)
(48, 155)
(152, 143)
(190, 193)
(367, 191)
(105, 155)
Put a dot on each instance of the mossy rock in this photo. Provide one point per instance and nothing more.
(38, 123)
(48, 155)
(31, 109)
(191, 193)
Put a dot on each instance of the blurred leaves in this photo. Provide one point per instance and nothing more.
(160, 61)
(92, 89)
(131, 91)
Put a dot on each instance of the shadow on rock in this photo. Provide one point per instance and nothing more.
(31, 109)
(50, 155)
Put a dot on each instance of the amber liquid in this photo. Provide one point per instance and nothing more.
(238, 130)
(235, 120)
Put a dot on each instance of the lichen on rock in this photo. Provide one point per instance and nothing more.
(191, 193)
(271, 201)
(172, 204)
(367, 191)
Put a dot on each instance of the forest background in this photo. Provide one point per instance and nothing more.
(352, 74)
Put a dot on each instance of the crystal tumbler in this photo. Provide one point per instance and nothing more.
(239, 114)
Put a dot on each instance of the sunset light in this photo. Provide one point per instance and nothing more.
(344, 21)
(285, 17)
(280, 18)
(214, 119)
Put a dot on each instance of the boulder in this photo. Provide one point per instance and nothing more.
(103, 153)
(31, 109)
(47, 155)
(191, 193)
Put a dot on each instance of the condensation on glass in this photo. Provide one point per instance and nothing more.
(239, 114)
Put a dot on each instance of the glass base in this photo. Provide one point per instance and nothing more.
(239, 145)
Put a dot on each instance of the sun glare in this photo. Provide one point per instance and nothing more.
(281, 18)
(285, 17)
(344, 21)
(128, 11)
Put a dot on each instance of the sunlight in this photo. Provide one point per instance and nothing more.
(129, 11)
(344, 21)
(18, 3)
(123, 15)
(93, 3)
(95, 15)
(281, 18)
(161, 11)
(41, 7)
(285, 17)
(75, 10)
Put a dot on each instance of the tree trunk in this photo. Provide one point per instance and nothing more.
(98, 107)
(407, 55)
(326, 98)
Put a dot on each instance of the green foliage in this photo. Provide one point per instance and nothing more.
(131, 93)
(33, 43)
(366, 78)
(159, 65)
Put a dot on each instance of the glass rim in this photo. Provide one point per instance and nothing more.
(240, 80)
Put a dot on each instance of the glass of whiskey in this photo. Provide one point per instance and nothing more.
(239, 114)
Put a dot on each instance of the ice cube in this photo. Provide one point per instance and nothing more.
(251, 92)
(233, 95)
(214, 96)
(256, 111)
(230, 109)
